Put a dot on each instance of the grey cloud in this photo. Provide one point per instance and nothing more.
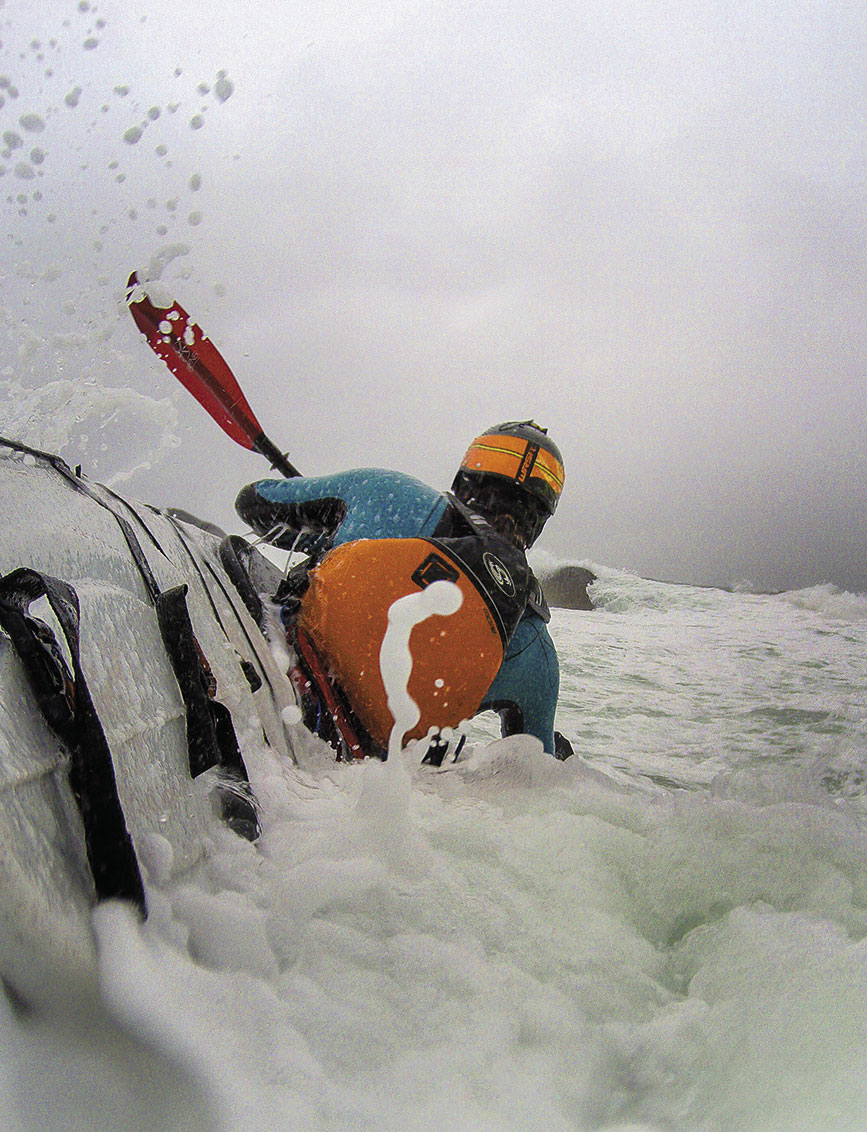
(645, 231)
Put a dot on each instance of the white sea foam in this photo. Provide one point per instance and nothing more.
(665, 931)
(829, 600)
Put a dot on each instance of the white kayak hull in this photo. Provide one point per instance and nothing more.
(46, 886)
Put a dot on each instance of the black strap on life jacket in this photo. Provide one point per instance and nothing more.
(66, 703)
(497, 568)
(526, 581)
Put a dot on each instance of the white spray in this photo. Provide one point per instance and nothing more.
(382, 810)
(395, 658)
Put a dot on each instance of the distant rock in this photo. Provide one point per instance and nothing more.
(566, 587)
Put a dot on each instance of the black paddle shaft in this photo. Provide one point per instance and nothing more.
(278, 460)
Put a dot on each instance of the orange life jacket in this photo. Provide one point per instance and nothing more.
(455, 658)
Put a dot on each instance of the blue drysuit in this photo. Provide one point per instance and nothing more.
(310, 514)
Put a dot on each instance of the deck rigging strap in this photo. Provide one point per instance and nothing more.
(68, 708)
(211, 738)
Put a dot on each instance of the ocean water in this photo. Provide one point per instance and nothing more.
(666, 932)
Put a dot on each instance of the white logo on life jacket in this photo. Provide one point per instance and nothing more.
(499, 573)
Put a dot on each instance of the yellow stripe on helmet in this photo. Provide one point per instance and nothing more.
(549, 468)
(504, 456)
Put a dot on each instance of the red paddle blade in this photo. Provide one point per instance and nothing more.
(195, 361)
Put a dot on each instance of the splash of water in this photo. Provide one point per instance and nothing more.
(395, 657)
(116, 431)
(382, 821)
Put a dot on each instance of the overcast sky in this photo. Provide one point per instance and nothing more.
(642, 223)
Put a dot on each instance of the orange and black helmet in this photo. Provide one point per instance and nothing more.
(519, 468)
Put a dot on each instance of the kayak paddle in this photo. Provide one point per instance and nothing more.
(197, 363)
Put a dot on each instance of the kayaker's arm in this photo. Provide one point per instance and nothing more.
(289, 524)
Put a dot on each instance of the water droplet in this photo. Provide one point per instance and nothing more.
(224, 88)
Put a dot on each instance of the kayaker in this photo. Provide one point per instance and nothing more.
(373, 534)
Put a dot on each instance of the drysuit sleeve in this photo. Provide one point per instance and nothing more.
(525, 689)
(309, 513)
(293, 514)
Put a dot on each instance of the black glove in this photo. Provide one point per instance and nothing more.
(562, 747)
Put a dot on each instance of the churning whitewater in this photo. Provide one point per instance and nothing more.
(666, 932)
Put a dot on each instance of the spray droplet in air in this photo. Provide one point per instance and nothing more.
(224, 87)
